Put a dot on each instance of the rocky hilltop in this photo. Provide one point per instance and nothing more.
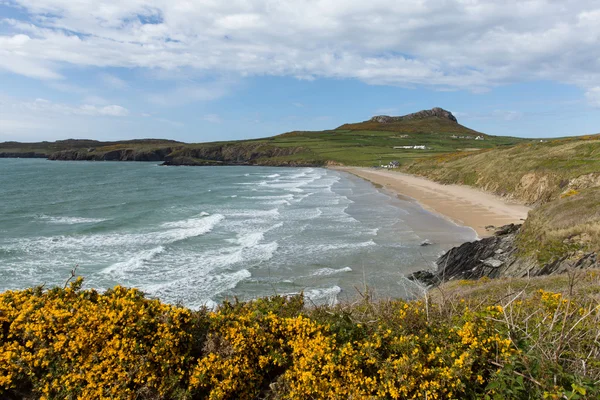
(435, 112)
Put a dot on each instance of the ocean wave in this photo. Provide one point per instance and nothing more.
(278, 203)
(250, 239)
(197, 291)
(327, 247)
(281, 197)
(323, 295)
(171, 232)
(330, 271)
(274, 212)
(135, 262)
(70, 220)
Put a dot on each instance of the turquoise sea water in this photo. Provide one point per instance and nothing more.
(197, 235)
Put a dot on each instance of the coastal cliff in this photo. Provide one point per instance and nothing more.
(175, 153)
(500, 256)
(111, 155)
(241, 154)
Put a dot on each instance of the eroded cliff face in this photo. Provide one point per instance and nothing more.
(220, 154)
(111, 155)
(28, 154)
(241, 154)
(497, 257)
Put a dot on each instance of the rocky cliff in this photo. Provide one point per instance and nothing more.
(239, 154)
(434, 112)
(27, 154)
(242, 153)
(92, 154)
(496, 257)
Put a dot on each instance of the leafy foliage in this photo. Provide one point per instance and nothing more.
(72, 343)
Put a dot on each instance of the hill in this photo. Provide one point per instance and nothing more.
(379, 141)
(561, 178)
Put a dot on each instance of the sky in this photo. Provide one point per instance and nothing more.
(205, 70)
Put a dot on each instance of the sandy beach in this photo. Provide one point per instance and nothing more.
(462, 204)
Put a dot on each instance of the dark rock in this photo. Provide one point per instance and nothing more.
(434, 112)
(496, 257)
(426, 277)
(426, 242)
(27, 154)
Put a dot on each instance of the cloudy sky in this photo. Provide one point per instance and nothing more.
(201, 70)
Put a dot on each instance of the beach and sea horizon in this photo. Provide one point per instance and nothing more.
(200, 235)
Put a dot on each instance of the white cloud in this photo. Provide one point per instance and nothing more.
(113, 81)
(508, 115)
(212, 118)
(593, 96)
(43, 106)
(452, 44)
(190, 91)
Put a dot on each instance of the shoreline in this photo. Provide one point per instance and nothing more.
(461, 204)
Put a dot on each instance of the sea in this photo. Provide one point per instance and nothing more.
(200, 235)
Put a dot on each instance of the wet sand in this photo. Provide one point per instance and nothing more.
(462, 204)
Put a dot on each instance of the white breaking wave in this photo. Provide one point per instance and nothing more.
(70, 220)
(330, 271)
(135, 262)
(254, 213)
(282, 197)
(323, 295)
(250, 239)
(278, 203)
(172, 232)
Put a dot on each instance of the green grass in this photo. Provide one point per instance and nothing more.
(351, 145)
(531, 172)
(569, 225)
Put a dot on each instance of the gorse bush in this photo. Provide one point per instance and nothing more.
(80, 344)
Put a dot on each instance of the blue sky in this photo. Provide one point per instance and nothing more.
(209, 70)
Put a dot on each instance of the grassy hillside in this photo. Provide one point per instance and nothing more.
(533, 172)
(568, 225)
(70, 144)
(366, 144)
(375, 145)
(560, 177)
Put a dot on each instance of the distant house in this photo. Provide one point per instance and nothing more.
(410, 147)
(391, 165)
(479, 138)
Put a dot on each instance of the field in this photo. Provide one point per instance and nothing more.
(362, 144)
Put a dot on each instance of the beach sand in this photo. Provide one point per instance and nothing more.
(462, 204)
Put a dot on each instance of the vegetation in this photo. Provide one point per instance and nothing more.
(364, 144)
(534, 172)
(561, 177)
(73, 343)
(567, 226)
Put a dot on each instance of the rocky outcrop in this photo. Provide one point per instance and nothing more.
(243, 153)
(240, 154)
(112, 155)
(26, 154)
(434, 112)
(496, 257)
